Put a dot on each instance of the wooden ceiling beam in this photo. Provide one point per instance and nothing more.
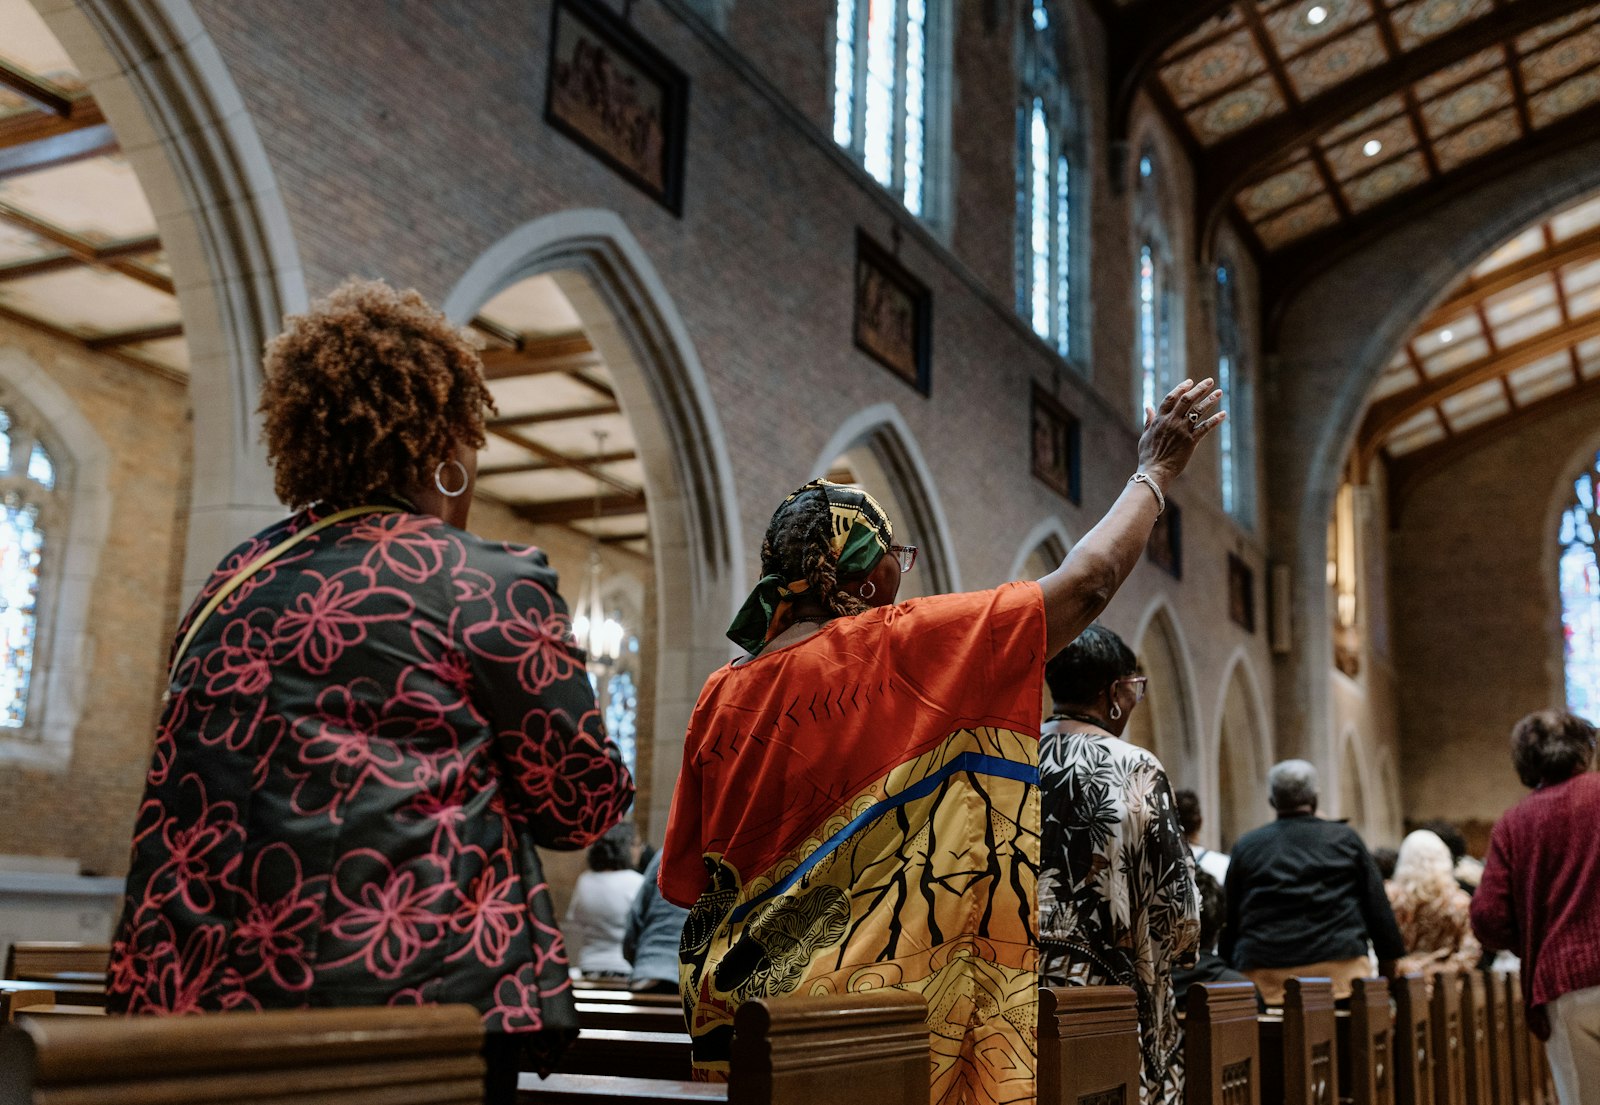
(54, 262)
(1575, 250)
(61, 149)
(134, 337)
(503, 334)
(623, 538)
(1137, 35)
(27, 127)
(159, 370)
(85, 250)
(617, 457)
(35, 91)
(590, 468)
(566, 414)
(1293, 267)
(1253, 152)
(558, 511)
(1386, 414)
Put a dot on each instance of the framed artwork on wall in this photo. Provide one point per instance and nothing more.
(1166, 541)
(1241, 594)
(1055, 446)
(618, 97)
(893, 315)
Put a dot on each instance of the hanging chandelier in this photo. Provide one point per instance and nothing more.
(597, 632)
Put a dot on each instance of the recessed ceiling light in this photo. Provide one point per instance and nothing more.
(1373, 147)
(1317, 15)
(1446, 337)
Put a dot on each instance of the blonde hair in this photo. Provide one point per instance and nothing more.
(1425, 869)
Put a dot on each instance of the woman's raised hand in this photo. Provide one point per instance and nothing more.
(1172, 432)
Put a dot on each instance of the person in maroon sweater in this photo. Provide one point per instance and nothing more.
(1540, 894)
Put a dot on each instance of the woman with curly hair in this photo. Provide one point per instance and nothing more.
(858, 804)
(372, 718)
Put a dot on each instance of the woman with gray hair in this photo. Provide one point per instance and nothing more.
(1304, 895)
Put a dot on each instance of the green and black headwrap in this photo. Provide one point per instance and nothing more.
(859, 535)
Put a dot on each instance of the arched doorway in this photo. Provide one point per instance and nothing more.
(1241, 755)
(875, 450)
(583, 337)
(1352, 785)
(1164, 723)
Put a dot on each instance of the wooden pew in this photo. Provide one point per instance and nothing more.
(313, 1057)
(633, 1018)
(657, 1055)
(66, 993)
(1088, 1044)
(1413, 1042)
(1449, 1041)
(14, 1001)
(57, 961)
(1494, 990)
(1299, 1051)
(794, 1050)
(583, 995)
(1521, 1052)
(1475, 1039)
(1366, 1045)
(1222, 1046)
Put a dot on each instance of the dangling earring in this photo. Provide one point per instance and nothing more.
(438, 479)
(1116, 711)
(868, 589)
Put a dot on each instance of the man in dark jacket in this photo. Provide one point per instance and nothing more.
(1540, 894)
(1304, 896)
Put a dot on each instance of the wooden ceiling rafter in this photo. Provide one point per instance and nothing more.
(618, 457)
(1385, 415)
(1137, 35)
(86, 251)
(43, 95)
(565, 414)
(1575, 250)
(1255, 151)
(591, 468)
(160, 332)
(580, 509)
(113, 352)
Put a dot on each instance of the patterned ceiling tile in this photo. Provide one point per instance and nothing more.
(1533, 295)
(1452, 75)
(1279, 191)
(1478, 139)
(1561, 60)
(1542, 378)
(1394, 138)
(1526, 244)
(1293, 33)
(1212, 28)
(1461, 352)
(1450, 337)
(1580, 277)
(1213, 68)
(1417, 433)
(1584, 303)
(1233, 111)
(1423, 20)
(1589, 357)
(1556, 28)
(1379, 112)
(1336, 62)
(1564, 99)
(1468, 104)
(1386, 181)
(1486, 410)
(1394, 381)
(1292, 225)
(1531, 325)
(1576, 219)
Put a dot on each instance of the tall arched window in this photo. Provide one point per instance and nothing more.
(885, 85)
(1233, 441)
(33, 509)
(1580, 595)
(1154, 338)
(1046, 139)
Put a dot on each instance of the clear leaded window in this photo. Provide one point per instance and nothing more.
(1044, 186)
(881, 91)
(1580, 596)
(30, 503)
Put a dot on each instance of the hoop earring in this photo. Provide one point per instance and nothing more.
(438, 479)
(868, 589)
(1116, 711)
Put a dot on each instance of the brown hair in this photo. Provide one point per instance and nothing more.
(1551, 746)
(368, 392)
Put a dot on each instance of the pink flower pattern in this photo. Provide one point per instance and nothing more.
(360, 752)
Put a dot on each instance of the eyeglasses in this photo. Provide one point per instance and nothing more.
(906, 555)
(1139, 683)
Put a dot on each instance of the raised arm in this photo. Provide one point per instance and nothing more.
(1076, 592)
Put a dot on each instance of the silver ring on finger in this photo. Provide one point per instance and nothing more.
(1194, 418)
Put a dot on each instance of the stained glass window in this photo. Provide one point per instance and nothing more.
(1580, 596)
(622, 716)
(41, 469)
(1229, 365)
(881, 85)
(1045, 136)
(1147, 325)
(21, 550)
(1155, 323)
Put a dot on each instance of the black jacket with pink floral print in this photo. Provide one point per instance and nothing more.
(362, 747)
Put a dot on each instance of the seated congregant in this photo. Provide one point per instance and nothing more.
(858, 802)
(1208, 966)
(1432, 911)
(1213, 863)
(597, 916)
(651, 937)
(1116, 889)
(1304, 896)
(352, 768)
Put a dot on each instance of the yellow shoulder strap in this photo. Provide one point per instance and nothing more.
(255, 566)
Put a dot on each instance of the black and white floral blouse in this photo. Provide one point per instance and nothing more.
(1117, 898)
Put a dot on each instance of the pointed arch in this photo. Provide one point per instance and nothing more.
(880, 431)
(629, 317)
(1166, 722)
(1355, 790)
(1048, 538)
(1242, 751)
(181, 123)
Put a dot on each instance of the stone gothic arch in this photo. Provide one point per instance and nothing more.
(1165, 724)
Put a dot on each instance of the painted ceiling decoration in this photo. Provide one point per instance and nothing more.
(79, 255)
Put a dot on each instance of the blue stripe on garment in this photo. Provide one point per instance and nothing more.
(975, 763)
